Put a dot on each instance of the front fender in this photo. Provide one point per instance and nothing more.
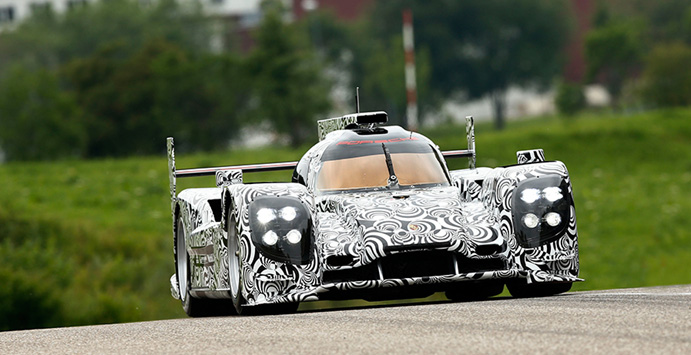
(265, 278)
(559, 255)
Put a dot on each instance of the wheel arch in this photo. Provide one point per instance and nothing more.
(176, 216)
(227, 205)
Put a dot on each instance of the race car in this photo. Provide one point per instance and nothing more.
(372, 212)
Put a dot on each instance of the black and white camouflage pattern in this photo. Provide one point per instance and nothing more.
(228, 177)
(530, 156)
(474, 212)
(329, 125)
(470, 134)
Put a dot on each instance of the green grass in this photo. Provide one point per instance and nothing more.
(85, 242)
(632, 183)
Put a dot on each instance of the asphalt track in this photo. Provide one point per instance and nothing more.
(626, 321)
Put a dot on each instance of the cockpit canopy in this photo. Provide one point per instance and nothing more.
(357, 161)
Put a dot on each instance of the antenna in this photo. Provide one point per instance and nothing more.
(357, 99)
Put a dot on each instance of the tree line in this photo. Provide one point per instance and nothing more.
(639, 50)
(115, 77)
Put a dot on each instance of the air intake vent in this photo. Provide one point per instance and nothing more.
(417, 264)
(486, 250)
(339, 260)
(367, 272)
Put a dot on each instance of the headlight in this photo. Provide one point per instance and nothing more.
(530, 195)
(552, 194)
(294, 236)
(530, 220)
(270, 238)
(541, 208)
(281, 228)
(266, 215)
(288, 213)
(553, 219)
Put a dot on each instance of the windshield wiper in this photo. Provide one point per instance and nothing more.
(393, 180)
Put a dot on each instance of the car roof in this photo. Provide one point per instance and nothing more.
(364, 141)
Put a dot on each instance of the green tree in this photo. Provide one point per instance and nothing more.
(287, 80)
(204, 100)
(38, 121)
(569, 98)
(483, 47)
(106, 90)
(133, 102)
(667, 20)
(613, 54)
(136, 72)
(625, 31)
(666, 78)
(375, 64)
(662, 20)
(50, 40)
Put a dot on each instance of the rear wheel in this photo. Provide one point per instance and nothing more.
(475, 291)
(521, 289)
(194, 307)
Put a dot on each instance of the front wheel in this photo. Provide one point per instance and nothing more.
(236, 275)
(521, 289)
(194, 307)
(235, 265)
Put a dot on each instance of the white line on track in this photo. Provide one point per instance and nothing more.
(636, 294)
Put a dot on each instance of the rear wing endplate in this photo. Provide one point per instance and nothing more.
(470, 152)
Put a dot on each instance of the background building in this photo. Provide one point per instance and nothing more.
(12, 12)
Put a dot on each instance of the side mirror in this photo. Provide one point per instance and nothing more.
(530, 156)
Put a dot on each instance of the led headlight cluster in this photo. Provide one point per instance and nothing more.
(270, 238)
(266, 215)
(541, 209)
(281, 228)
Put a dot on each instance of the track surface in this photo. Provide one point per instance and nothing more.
(642, 321)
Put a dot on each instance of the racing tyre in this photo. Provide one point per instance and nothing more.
(475, 291)
(521, 289)
(194, 307)
(235, 264)
(236, 275)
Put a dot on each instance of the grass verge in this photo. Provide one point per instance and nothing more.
(85, 242)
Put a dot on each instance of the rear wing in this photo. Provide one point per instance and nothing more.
(224, 174)
(233, 173)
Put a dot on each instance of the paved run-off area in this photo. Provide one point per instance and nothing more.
(642, 320)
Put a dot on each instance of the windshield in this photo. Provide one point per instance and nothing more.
(370, 171)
